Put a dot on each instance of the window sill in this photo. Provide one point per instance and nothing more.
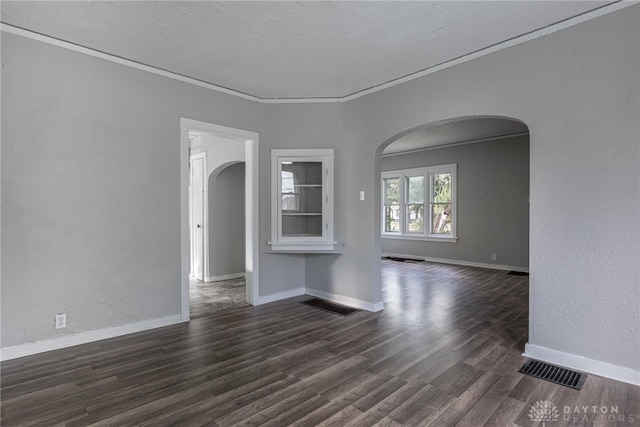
(447, 239)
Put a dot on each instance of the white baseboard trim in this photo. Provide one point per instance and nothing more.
(22, 350)
(224, 277)
(348, 301)
(584, 364)
(265, 299)
(338, 299)
(459, 262)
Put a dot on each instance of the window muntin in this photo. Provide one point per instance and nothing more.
(420, 203)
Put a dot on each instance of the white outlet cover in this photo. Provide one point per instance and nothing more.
(61, 320)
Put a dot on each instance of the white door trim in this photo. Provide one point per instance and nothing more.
(251, 207)
(205, 215)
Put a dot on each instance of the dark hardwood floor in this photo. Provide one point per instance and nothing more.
(445, 351)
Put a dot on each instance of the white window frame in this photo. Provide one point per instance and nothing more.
(427, 172)
(280, 242)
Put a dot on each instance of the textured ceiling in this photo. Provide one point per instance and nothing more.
(455, 132)
(271, 50)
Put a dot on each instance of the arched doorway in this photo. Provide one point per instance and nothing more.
(455, 192)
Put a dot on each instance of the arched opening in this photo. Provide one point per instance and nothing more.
(453, 196)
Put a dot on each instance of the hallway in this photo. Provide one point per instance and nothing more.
(209, 297)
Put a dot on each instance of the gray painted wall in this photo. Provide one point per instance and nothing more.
(91, 189)
(493, 212)
(577, 90)
(291, 126)
(226, 221)
(90, 182)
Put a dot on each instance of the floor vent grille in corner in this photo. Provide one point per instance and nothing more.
(331, 307)
(518, 273)
(555, 374)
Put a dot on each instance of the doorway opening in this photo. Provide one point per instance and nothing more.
(219, 255)
(480, 168)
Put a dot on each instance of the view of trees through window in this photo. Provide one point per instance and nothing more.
(415, 204)
(392, 204)
(420, 202)
(441, 204)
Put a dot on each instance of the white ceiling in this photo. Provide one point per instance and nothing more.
(305, 49)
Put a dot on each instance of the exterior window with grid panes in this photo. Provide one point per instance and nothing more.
(420, 203)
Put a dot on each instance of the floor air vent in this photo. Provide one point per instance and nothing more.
(400, 259)
(331, 307)
(518, 273)
(555, 374)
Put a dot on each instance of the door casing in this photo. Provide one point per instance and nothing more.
(251, 142)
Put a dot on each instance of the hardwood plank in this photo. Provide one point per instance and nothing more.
(505, 413)
(341, 418)
(380, 410)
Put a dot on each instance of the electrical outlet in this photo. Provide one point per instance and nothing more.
(61, 320)
(494, 257)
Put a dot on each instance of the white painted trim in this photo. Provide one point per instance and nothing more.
(610, 8)
(314, 243)
(224, 277)
(426, 238)
(280, 296)
(301, 154)
(252, 216)
(185, 238)
(496, 47)
(252, 183)
(338, 299)
(302, 246)
(122, 61)
(65, 341)
(427, 172)
(205, 213)
(301, 100)
(219, 130)
(459, 262)
(348, 301)
(581, 363)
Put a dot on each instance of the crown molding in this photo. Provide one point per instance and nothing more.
(7, 28)
(569, 22)
(587, 16)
